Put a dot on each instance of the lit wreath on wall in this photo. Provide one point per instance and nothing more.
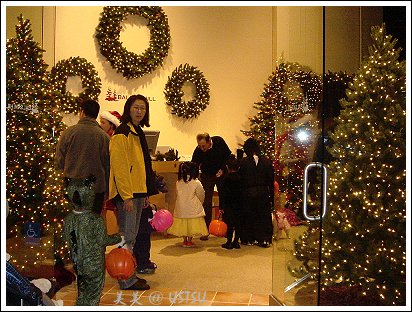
(308, 81)
(174, 93)
(75, 66)
(131, 64)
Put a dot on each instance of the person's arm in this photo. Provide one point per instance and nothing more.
(101, 235)
(225, 153)
(61, 150)
(200, 191)
(196, 156)
(223, 196)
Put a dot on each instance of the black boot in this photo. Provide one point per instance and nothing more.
(227, 245)
(236, 245)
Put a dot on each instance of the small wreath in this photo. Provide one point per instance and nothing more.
(75, 66)
(308, 81)
(174, 93)
(131, 64)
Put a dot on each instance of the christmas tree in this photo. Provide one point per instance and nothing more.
(364, 232)
(33, 127)
(283, 124)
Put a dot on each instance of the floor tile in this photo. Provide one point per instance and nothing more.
(165, 292)
(259, 299)
(66, 295)
(200, 295)
(120, 298)
(192, 303)
(153, 300)
(232, 297)
(228, 304)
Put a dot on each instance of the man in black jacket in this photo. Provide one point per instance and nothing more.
(211, 155)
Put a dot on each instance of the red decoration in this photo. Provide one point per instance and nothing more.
(218, 228)
(276, 185)
(120, 263)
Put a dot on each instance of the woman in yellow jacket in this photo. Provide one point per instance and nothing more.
(131, 175)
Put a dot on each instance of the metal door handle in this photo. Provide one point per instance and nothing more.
(305, 190)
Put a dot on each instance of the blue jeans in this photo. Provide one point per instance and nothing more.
(128, 222)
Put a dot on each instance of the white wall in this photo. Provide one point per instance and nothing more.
(299, 35)
(232, 46)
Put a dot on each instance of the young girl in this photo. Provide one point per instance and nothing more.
(188, 216)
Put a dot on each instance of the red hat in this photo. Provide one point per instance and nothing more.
(112, 116)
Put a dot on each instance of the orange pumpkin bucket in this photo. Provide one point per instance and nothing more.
(120, 263)
(218, 227)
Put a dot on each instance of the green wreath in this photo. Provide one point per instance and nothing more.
(131, 64)
(308, 81)
(173, 91)
(75, 66)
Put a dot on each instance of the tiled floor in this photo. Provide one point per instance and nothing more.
(113, 296)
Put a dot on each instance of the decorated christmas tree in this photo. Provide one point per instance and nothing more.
(364, 231)
(283, 124)
(33, 127)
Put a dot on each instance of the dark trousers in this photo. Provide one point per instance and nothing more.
(256, 220)
(232, 219)
(209, 182)
(98, 202)
(141, 248)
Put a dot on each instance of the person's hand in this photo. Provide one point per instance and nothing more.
(219, 173)
(146, 203)
(122, 244)
(128, 205)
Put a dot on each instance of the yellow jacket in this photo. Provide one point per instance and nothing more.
(127, 167)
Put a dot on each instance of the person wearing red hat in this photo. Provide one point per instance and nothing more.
(109, 121)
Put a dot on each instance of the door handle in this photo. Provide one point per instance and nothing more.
(305, 191)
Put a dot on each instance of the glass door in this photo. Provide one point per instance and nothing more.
(340, 202)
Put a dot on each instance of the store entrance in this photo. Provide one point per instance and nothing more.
(340, 167)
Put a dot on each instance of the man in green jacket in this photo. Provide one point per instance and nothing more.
(83, 150)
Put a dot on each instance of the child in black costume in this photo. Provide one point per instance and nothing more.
(230, 197)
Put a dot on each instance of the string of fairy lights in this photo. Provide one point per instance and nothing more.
(174, 93)
(365, 232)
(33, 126)
(130, 64)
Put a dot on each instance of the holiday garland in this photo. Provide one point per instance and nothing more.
(174, 93)
(75, 66)
(131, 64)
